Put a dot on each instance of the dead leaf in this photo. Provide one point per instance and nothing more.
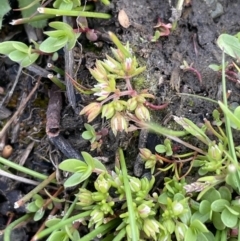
(123, 19)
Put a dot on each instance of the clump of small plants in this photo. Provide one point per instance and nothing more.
(112, 204)
(116, 96)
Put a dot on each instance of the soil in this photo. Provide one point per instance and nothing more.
(193, 40)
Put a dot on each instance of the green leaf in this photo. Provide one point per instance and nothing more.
(17, 56)
(51, 45)
(229, 44)
(55, 33)
(201, 217)
(232, 180)
(71, 165)
(72, 41)
(198, 227)
(29, 59)
(235, 122)
(190, 235)
(219, 205)
(215, 67)
(225, 193)
(192, 129)
(217, 221)
(38, 215)
(6, 47)
(160, 148)
(75, 235)
(170, 225)
(87, 135)
(20, 46)
(232, 211)
(77, 178)
(88, 159)
(98, 165)
(162, 199)
(5, 8)
(229, 219)
(32, 208)
(237, 112)
(211, 195)
(205, 207)
(57, 236)
(180, 230)
(201, 237)
(206, 236)
(61, 26)
(52, 222)
(39, 202)
(202, 171)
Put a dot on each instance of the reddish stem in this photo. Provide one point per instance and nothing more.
(190, 68)
(117, 95)
(155, 107)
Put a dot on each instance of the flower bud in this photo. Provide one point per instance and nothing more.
(97, 196)
(135, 184)
(117, 54)
(132, 104)
(97, 216)
(119, 105)
(85, 197)
(108, 111)
(144, 210)
(215, 152)
(142, 112)
(101, 184)
(99, 73)
(145, 153)
(106, 207)
(151, 227)
(92, 110)
(111, 65)
(178, 208)
(118, 123)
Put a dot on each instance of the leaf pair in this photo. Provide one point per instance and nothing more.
(19, 52)
(82, 170)
(63, 35)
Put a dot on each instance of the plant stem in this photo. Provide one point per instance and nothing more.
(119, 45)
(103, 229)
(57, 81)
(71, 208)
(209, 126)
(72, 13)
(22, 169)
(60, 225)
(8, 230)
(38, 188)
(199, 97)
(131, 213)
(227, 121)
(56, 69)
(31, 19)
(164, 131)
(120, 235)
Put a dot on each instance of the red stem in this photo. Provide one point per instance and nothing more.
(155, 107)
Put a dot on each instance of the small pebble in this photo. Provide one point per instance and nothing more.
(7, 151)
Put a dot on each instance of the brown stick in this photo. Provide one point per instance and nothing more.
(53, 112)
